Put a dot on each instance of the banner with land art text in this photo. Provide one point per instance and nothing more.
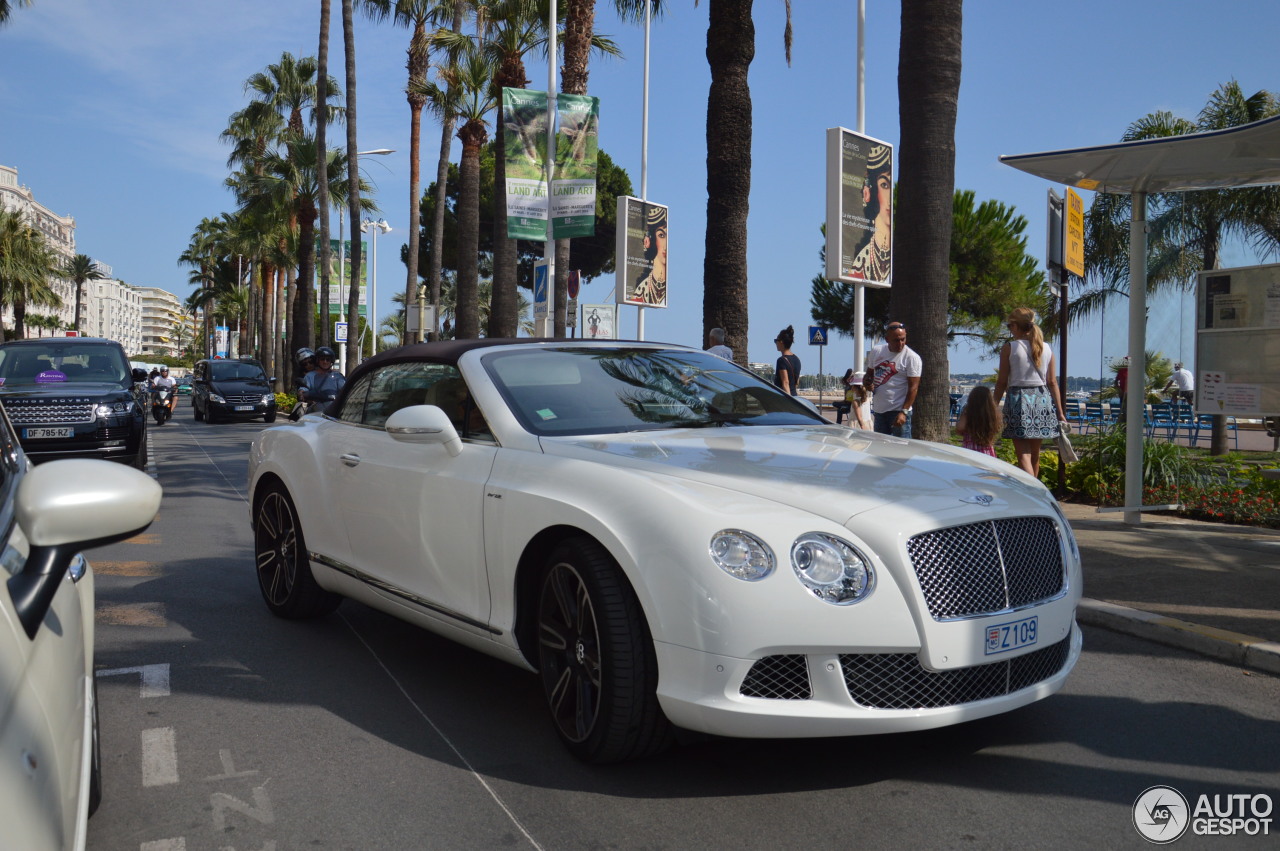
(524, 143)
(573, 182)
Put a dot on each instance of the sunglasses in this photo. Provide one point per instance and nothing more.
(895, 326)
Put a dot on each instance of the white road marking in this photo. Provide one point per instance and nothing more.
(155, 678)
(159, 757)
(178, 844)
(261, 811)
(229, 768)
(479, 779)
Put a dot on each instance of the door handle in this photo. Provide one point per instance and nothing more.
(349, 460)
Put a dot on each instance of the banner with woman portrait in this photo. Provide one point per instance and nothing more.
(599, 321)
(859, 208)
(642, 253)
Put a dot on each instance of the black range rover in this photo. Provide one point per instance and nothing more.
(70, 397)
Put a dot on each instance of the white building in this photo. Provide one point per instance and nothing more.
(113, 309)
(162, 316)
(59, 233)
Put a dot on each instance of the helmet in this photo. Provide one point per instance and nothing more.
(326, 353)
(164, 370)
(303, 355)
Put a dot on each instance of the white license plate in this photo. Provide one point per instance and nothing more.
(1011, 636)
(36, 433)
(244, 407)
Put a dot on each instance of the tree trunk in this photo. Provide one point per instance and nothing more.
(20, 319)
(579, 26)
(418, 62)
(353, 191)
(277, 333)
(730, 49)
(928, 92)
(442, 182)
(502, 301)
(79, 301)
(322, 161)
(560, 294)
(466, 310)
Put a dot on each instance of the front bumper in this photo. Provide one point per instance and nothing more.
(229, 411)
(844, 694)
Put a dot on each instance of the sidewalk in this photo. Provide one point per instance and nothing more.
(1206, 587)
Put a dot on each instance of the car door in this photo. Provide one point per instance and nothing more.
(413, 512)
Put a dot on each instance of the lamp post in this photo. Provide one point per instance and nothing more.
(342, 259)
(367, 226)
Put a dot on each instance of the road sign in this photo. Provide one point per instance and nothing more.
(540, 306)
(339, 332)
(1074, 253)
(817, 335)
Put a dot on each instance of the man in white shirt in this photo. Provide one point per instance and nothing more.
(893, 376)
(1185, 382)
(717, 347)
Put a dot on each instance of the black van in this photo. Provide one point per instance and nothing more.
(232, 389)
(74, 397)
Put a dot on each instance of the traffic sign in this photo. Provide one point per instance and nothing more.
(817, 335)
(1074, 255)
(339, 332)
(541, 310)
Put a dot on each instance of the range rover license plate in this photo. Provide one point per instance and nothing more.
(37, 433)
(1011, 636)
(244, 407)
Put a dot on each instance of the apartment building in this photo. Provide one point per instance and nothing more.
(162, 332)
(59, 232)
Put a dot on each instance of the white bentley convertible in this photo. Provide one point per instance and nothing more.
(668, 540)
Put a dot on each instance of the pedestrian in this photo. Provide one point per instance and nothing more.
(1121, 383)
(893, 377)
(717, 347)
(980, 423)
(1033, 408)
(1184, 381)
(786, 372)
(855, 396)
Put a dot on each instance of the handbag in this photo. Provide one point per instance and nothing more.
(1066, 452)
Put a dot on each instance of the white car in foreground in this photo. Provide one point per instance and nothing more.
(50, 771)
(669, 540)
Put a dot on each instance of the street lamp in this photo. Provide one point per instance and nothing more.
(367, 226)
(342, 259)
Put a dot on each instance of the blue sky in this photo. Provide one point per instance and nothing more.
(111, 112)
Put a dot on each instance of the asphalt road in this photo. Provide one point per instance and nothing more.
(224, 727)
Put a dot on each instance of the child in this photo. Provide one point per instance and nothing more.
(980, 422)
(854, 398)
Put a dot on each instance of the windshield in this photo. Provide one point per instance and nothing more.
(232, 371)
(59, 362)
(606, 390)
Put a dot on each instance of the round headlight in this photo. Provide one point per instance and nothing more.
(103, 410)
(831, 568)
(741, 554)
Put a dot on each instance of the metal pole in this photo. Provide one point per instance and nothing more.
(549, 247)
(1062, 370)
(644, 146)
(342, 278)
(859, 291)
(1136, 392)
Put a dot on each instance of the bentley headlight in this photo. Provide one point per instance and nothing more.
(831, 568)
(741, 554)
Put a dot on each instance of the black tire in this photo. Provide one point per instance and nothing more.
(199, 414)
(596, 659)
(158, 413)
(95, 759)
(284, 571)
(270, 418)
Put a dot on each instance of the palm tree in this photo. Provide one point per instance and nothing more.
(447, 120)
(6, 8)
(26, 265)
(81, 269)
(322, 169)
(928, 94)
(730, 48)
(353, 173)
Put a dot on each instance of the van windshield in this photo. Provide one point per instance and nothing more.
(60, 362)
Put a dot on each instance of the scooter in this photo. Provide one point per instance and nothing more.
(162, 404)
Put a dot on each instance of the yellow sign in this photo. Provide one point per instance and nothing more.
(1073, 254)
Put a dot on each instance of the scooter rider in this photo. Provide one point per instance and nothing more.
(162, 380)
(321, 386)
(306, 361)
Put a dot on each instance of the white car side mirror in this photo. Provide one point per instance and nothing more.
(424, 424)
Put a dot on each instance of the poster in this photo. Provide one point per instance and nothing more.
(340, 276)
(524, 144)
(859, 208)
(599, 321)
(1231, 311)
(642, 249)
(573, 183)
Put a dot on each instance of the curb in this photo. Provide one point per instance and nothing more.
(1208, 641)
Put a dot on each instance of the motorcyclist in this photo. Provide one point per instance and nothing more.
(321, 386)
(162, 381)
(305, 358)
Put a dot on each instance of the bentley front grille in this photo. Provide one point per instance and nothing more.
(898, 681)
(982, 568)
(779, 678)
(29, 412)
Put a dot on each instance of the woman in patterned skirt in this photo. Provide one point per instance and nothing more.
(1032, 406)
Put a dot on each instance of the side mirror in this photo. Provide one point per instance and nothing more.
(139, 375)
(68, 506)
(424, 424)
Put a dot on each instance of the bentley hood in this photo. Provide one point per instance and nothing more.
(828, 471)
